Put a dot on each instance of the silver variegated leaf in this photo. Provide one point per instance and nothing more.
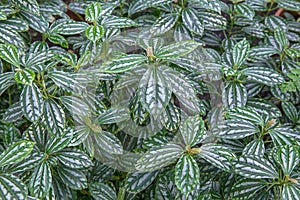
(293, 5)
(263, 75)
(74, 158)
(41, 180)
(32, 102)
(178, 49)
(159, 157)
(9, 53)
(102, 191)
(255, 167)
(113, 115)
(291, 111)
(290, 191)
(140, 5)
(75, 105)
(12, 188)
(217, 155)
(16, 152)
(255, 147)
(137, 181)
(56, 143)
(244, 10)
(28, 5)
(54, 117)
(24, 76)
(246, 188)
(192, 21)
(192, 130)
(164, 24)
(112, 21)
(108, 142)
(68, 27)
(94, 33)
(72, 178)
(237, 129)
(288, 158)
(187, 174)
(234, 95)
(154, 91)
(245, 114)
(13, 113)
(93, 11)
(240, 52)
(124, 63)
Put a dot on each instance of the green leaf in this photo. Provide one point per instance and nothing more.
(280, 138)
(192, 21)
(255, 167)
(124, 63)
(72, 178)
(12, 188)
(136, 182)
(102, 191)
(280, 38)
(39, 58)
(93, 11)
(74, 158)
(159, 157)
(192, 130)
(240, 52)
(8, 35)
(16, 152)
(41, 180)
(6, 80)
(293, 5)
(24, 76)
(234, 95)
(291, 111)
(237, 129)
(263, 75)
(244, 10)
(36, 22)
(140, 5)
(10, 54)
(164, 24)
(94, 33)
(113, 115)
(28, 5)
(154, 91)
(187, 174)
(290, 191)
(217, 155)
(32, 102)
(108, 142)
(288, 158)
(178, 49)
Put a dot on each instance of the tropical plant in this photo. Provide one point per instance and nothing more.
(157, 99)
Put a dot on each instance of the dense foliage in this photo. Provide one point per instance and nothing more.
(156, 99)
